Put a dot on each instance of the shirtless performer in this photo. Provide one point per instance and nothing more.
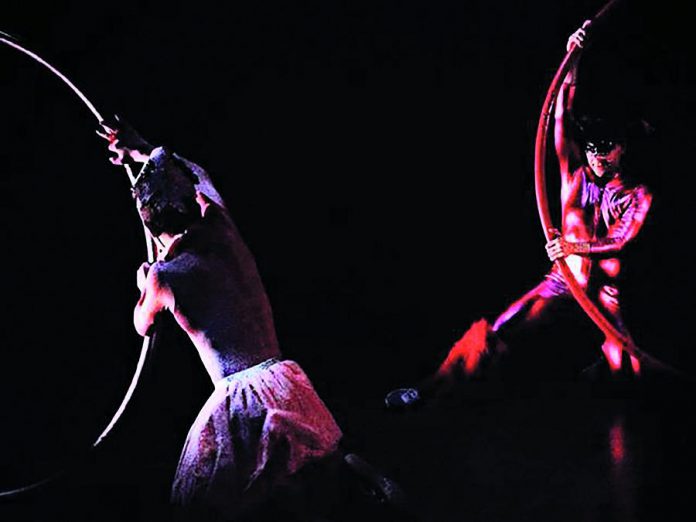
(602, 211)
(263, 422)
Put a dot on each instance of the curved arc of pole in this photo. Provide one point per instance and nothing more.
(148, 341)
(542, 198)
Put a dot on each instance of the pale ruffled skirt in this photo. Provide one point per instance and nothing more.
(259, 426)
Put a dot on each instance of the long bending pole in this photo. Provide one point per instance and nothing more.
(148, 341)
(542, 198)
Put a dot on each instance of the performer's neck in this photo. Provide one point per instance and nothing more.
(168, 241)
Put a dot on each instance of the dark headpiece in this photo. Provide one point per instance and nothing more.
(165, 192)
(597, 129)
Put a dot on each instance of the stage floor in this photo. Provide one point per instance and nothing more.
(546, 452)
(491, 452)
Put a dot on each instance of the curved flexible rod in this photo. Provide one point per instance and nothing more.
(148, 341)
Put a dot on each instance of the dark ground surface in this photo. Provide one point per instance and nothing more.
(556, 453)
(377, 157)
(547, 452)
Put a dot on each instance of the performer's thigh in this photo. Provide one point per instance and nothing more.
(531, 308)
(608, 298)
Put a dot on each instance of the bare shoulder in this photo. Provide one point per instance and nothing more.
(636, 192)
(577, 176)
(642, 191)
(642, 197)
(582, 171)
(183, 265)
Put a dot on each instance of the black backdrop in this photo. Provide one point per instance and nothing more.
(377, 157)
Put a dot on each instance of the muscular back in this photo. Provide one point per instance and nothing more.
(216, 295)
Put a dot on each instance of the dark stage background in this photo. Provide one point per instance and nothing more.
(377, 157)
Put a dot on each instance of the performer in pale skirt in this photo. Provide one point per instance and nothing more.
(264, 422)
(259, 425)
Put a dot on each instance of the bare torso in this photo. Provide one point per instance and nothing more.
(595, 211)
(216, 295)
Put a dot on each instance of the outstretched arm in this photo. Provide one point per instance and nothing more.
(124, 140)
(567, 149)
(130, 147)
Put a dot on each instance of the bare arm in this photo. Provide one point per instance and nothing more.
(130, 147)
(621, 233)
(567, 149)
(124, 140)
(155, 297)
(628, 226)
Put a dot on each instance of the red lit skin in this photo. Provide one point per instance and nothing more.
(579, 243)
(601, 214)
(617, 443)
(208, 280)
